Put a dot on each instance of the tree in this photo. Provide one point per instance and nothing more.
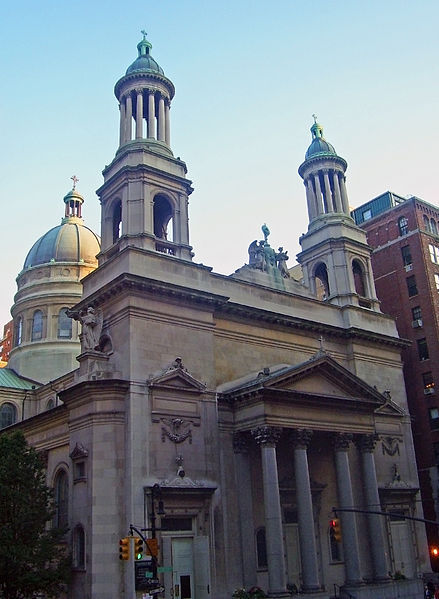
(33, 556)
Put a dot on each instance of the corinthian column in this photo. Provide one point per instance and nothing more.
(346, 500)
(245, 503)
(267, 438)
(161, 121)
(151, 114)
(366, 444)
(308, 550)
(128, 118)
(139, 114)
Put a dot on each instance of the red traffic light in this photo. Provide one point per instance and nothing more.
(434, 550)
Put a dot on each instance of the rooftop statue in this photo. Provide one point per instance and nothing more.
(263, 257)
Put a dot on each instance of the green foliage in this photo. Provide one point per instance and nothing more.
(33, 556)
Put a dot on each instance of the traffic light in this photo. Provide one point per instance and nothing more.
(434, 557)
(124, 548)
(138, 549)
(336, 529)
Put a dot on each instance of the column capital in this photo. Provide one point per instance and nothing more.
(240, 442)
(267, 435)
(366, 443)
(341, 441)
(300, 438)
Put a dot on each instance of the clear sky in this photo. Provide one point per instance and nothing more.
(248, 75)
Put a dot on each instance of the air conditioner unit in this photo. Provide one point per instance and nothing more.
(408, 267)
(417, 323)
(429, 391)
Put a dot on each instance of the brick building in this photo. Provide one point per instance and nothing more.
(405, 259)
(6, 342)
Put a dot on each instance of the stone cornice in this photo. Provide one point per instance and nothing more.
(129, 283)
(143, 167)
(146, 75)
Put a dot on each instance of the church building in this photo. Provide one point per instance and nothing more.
(233, 418)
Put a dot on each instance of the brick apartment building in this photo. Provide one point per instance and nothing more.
(404, 235)
(6, 342)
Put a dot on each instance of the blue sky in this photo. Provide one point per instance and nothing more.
(248, 77)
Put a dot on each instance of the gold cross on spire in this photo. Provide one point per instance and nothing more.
(75, 179)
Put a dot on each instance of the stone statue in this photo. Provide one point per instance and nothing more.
(281, 261)
(256, 258)
(265, 231)
(91, 321)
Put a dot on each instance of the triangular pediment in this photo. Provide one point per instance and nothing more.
(321, 377)
(176, 377)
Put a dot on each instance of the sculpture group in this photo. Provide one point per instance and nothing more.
(263, 257)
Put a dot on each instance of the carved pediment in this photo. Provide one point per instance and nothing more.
(176, 377)
(320, 379)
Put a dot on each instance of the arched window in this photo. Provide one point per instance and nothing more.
(79, 547)
(261, 548)
(321, 282)
(403, 225)
(162, 216)
(19, 331)
(64, 325)
(8, 415)
(426, 223)
(433, 226)
(50, 404)
(357, 271)
(37, 325)
(61, 487)
(117, 220)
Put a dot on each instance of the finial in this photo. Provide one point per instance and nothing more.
(75, 179)
(143, 32)
(321, 340)
(265, 231)
(315, 118)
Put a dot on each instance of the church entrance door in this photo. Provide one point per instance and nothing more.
(403, 560)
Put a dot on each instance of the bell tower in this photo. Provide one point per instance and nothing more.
(144, 198)
(335, 257)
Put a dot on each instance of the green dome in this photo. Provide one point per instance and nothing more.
(144, 62)
(319, 146)
(71, 241)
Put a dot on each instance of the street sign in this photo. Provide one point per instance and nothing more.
(157, 590)
(143, 576)
(161, 569)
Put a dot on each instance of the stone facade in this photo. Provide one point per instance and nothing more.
(235, 413)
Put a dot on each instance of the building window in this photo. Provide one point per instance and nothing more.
(426, 223)
(433, 226)
(436, 280)
(434, 417)
(406, 255)
(79, 548)
(261, 547)
(434, 253)
(19, 333)
(423, 349)
(411, 286)
(416, 313)
(367, 214)
(428, 382)
(403, 225)
(64, 325)
(61, 486)
(37, 325)
(8, 415)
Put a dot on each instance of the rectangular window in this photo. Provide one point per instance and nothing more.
(436, 453)
(367, 214)
(434, 253)
(411, 286)
(416, 313)
(434, 417)
(423, 349)
(406, 255)
(436, 280)
(428, 382)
